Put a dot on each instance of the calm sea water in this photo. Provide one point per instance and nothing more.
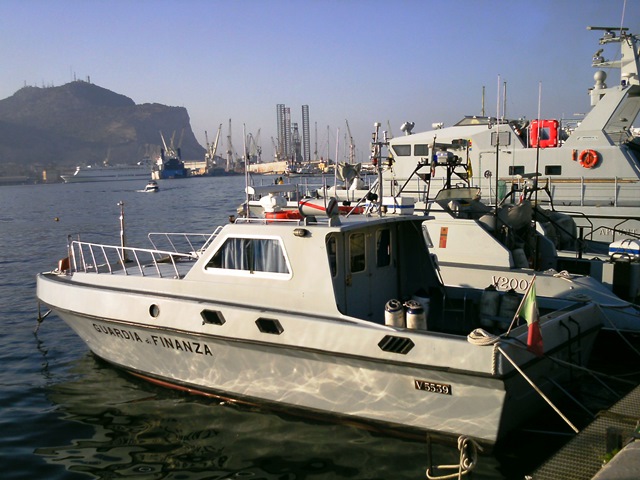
(67, 415)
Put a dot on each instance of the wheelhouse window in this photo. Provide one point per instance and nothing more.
(252, 255)
(383, 248)
(332, 252)
(421, 150)
(516, 170)
(357, 258)
(402, 150)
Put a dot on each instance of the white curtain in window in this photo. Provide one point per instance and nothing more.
(268, 256)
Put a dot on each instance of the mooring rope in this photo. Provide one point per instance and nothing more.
(468, 460)
(483, 338)
(617, 330)
(40, 318)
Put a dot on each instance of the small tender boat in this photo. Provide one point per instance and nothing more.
(151, 187)
(340, 316)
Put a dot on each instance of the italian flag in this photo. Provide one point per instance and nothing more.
(529, 311)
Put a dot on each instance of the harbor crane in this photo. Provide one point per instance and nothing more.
(254, 151)
(170, 150)
(352, 147)
(276, 155)
(230, 161)
(210, 155)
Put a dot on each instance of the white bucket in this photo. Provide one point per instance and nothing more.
(394, 314)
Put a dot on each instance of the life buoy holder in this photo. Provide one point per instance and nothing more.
(589, 158)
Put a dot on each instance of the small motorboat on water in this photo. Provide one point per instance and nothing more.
(342, 316)
(151, 187)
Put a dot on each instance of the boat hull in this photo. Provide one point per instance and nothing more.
(311, 367)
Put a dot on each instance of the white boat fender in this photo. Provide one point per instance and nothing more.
(394, 314)
(415, 317)
(509, 304)
(489, 303)
(319, 206)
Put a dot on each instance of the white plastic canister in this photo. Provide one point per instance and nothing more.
(394, 314)
(416, 317)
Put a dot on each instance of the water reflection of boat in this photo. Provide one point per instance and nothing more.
(243, 313)
(118, 427)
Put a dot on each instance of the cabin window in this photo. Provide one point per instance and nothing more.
(402, 150)
(251, 255)
(504, 138)
(516, 170)
(383, 248)
(357, 259)
(332, 252)
(553, 170)
(421, 150)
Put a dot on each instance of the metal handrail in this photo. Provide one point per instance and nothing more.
(197, 242)
(98, 258)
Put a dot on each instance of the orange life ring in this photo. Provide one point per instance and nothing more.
(589, 158)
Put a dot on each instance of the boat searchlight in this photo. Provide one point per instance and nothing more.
(407, 127)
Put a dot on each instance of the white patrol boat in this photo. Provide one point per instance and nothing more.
(591, 169)
(472, 252)
(316, 315)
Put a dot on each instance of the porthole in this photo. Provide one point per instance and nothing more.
(154, 310)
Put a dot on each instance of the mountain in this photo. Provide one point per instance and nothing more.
(80, 123)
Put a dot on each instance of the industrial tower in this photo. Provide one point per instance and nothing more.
(290, 146)
(306, 135)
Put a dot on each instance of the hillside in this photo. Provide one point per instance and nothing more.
(57, 128)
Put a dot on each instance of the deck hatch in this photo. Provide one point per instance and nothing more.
(269, 325)
(212, 317)
(396, 344)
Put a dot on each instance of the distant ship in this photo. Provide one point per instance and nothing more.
(169, 164)
(106, 173)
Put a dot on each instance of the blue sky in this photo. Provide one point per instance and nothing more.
(361, 61)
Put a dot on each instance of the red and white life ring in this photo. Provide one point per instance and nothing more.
(589, 158)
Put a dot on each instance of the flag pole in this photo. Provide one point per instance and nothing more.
(513, 321)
